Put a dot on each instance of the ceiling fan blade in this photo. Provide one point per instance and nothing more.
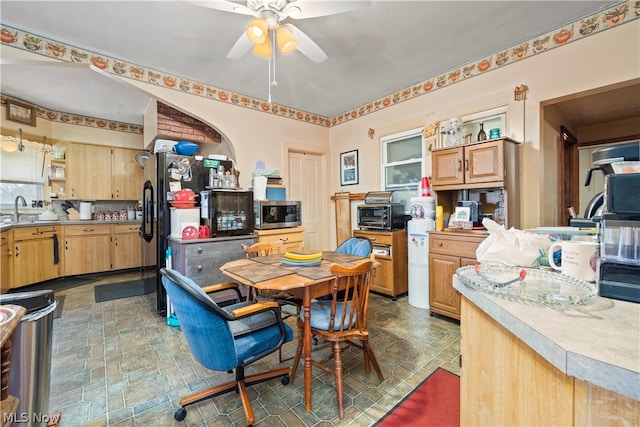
(306, 46)
(241, 47)
(302, 9)
(225, 6)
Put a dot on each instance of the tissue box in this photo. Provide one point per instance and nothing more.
(183, 218)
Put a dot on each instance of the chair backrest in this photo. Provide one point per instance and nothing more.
(202, 321)
(262, 249)
(360, 245)
(351, 290)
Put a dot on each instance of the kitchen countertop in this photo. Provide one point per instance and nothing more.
(600, 346)
(65, 222)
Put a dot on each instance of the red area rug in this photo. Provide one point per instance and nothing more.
(435, 402)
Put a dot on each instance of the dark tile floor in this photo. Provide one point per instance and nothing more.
(118, 364)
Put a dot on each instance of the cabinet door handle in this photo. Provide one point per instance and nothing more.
(199, 268)
(4, 238)
(459, 165)
(37, 233)
(439, 244)
(466, 165)
(284, 239)
(17, 251)
(199, 250)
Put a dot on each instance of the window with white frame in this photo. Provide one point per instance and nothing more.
(402, 162)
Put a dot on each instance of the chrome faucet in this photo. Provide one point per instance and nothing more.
(16, 215)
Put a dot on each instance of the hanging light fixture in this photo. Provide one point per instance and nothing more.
(258, 31)
(286, 41)
(9, 144)
(263, 49)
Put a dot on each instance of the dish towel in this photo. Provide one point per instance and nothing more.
(56, 255)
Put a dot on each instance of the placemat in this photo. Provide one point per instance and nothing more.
(341, 258)
(255, 273)
(268, 259)
(314, 273)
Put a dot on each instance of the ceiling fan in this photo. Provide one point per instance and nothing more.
(267, 29)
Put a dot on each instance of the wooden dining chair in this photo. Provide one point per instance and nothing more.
(281, 297)
(342, 319)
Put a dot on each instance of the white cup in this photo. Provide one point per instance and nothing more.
(579, 259)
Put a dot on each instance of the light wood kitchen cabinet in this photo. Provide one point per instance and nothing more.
(126, 175)
(6, 260)
(88, 174)
(447, 252)
(503, 381)
(36, 254)
(127, 246)
(87, 249)
(292, 238)
(96, 172)
(392, 276)
(476, 168)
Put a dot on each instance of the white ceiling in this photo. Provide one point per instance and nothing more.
(372, 52)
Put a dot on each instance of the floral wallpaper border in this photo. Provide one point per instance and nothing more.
(78, 120)
(617, 14)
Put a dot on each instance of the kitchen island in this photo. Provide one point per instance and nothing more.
(524, 364)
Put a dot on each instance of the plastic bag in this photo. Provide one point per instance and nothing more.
(511, 247)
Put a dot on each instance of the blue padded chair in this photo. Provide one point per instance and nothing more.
(342, 320)
(359, 245)
(226, 338)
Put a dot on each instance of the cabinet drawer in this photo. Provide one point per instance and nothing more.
(380, 238)
(80, 230)
(458, 245)
(289, 239)
(126, 228)
(31, 233)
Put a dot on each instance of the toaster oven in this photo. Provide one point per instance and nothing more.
(381, 217)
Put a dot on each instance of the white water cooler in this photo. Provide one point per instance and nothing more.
(418, 254)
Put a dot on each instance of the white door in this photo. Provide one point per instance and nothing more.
(307, 183)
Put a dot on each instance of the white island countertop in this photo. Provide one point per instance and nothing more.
(600, 345)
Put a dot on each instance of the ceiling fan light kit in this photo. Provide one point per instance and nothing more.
(286, 41)
(263, 49)
(258, 31)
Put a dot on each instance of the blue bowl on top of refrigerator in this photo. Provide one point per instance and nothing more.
(186, 148)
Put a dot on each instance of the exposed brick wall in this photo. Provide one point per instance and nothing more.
(173, 124)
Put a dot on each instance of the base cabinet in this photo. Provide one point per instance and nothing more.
(6, 260)
(36, 255)
(87, 249)
(447, 252)
(292, 238)
(391, 277)
(127, 246)
(505, 382)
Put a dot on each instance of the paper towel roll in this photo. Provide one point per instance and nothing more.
(260, 187)
(85, 210)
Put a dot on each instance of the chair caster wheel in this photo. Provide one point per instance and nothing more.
(285, 380)
(180, 414)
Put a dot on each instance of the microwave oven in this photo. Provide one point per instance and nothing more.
(389, 216)
(270, 214)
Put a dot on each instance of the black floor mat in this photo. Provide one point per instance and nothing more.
(131, 288)
(57, 285)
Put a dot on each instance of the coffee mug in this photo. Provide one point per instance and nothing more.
(579, 259)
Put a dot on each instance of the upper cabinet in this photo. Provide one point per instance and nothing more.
(476, 165)
(96, 172)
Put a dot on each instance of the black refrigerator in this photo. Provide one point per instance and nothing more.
(171, 171)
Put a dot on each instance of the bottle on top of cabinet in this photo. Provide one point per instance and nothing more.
(482, 135)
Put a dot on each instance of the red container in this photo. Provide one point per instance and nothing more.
(425, 187)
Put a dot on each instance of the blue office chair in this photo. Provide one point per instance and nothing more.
(226, 338)
(359, 245)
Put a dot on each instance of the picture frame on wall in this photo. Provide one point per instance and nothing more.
(349, 167)
(21, 113)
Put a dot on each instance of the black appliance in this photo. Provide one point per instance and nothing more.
(271, 214)
(227, 213)
(170, 172)
(619, 232)
(381, 212)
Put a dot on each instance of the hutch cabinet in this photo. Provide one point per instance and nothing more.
(391, 277)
